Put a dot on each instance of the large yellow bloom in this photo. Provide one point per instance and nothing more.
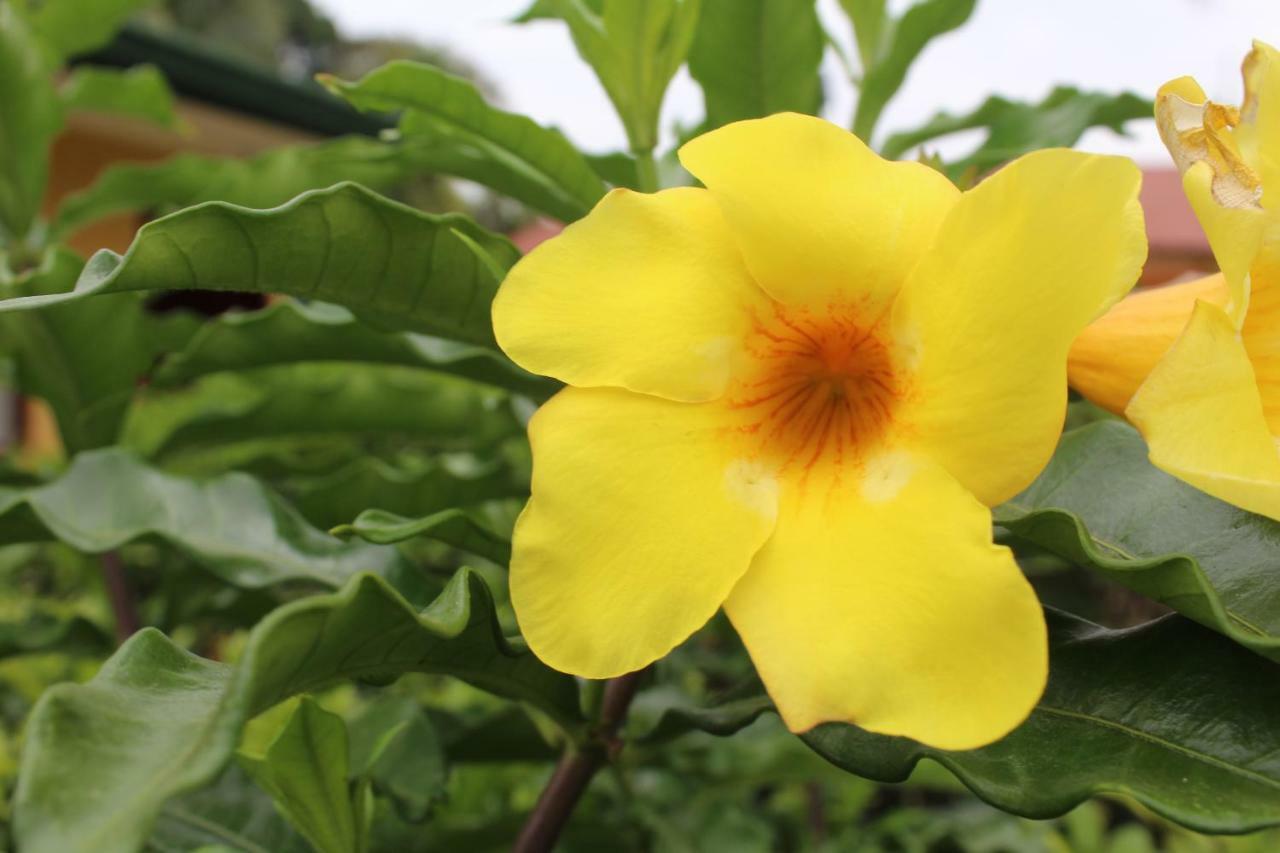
(1196, 366)
(794, 394)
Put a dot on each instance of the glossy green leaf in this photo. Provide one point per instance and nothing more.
(754, 58)
(58, 351)
(337, 497)
(902, 40)
(309, 399)
(635, 49)
(264, 180)
(304, 769)
(449, 127)
(288, 332)
(30, 116)
(430, 273)
(1169, 713)
(454, 527)
(70, 27)
(140, 92)
(230, 524)
(1101, 504)
(178, 717)
(394, 744)
(1014, 128)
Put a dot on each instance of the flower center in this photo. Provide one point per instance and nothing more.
(818, 390)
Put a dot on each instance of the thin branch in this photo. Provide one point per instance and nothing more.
(576, 769)
(120, 594)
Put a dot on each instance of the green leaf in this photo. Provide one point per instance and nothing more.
(635, 49)
(305, 771)
(264, 180)
(288, 332)
(70, 27)
(319, 398)
(232, 812)
(394, 744)
(449, 127)
(178, 717)
(30, 116)
(140, 92)
(454, 527)
(723, 719)
(1016, 127)
(1170, 714)
(337, 497)
(1101, 504)
(757, 57)
(870, 19)
(230, 524)
(391, 265)
(906, 38)
(58, 351)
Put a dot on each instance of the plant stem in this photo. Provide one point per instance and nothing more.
(577, 767)
(120, 594)
(646, 171)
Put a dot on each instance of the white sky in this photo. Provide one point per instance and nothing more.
(1016, 48)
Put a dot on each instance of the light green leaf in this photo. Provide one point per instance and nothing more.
(1169, 713)
(178, 717)
(30, 116)
(58, 351)
(754, 58)
(264, 180)
(1101, 504)
(391, 265)
(635, 49)
(315, 399)
(449, 127)
(1016, 127)
(140, 92)
(305, 771)
(902, 43)
(70, 27)
(454, 527)
(394, 744)
(230, 524)
(289, 332)
(869, 19)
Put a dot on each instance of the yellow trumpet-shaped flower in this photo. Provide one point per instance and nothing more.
(794, 394)
(1196, 366)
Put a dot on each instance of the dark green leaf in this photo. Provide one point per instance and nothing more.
(757, 57)
(455, 527)
(450, 128)
(289, 332)
(232, 812)
(178, 717)
(1101, 504)
(908, 36)
(30, 116)
(1016, 127)
(264, 180)
(319, 398)
(394, 744)
(1168, 713)
(393, 266)
(140, 92)
(230, 524)
(58, 351)
(723, 719)
(304, 769)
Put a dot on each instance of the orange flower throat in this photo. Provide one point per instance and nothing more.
(817, 389)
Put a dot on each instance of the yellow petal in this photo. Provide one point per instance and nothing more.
(639, 525)
(818, 215)
(1025, 260)
(1261, 330)
(1112, 357)
(1202, 418)
(887, 606)
(1261, 111)
(647, 292)
(1235, 229)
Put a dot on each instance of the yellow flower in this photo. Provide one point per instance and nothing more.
(1196, 366)
(794, 394)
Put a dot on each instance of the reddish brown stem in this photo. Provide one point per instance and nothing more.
(120, 594)
(576, 769)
